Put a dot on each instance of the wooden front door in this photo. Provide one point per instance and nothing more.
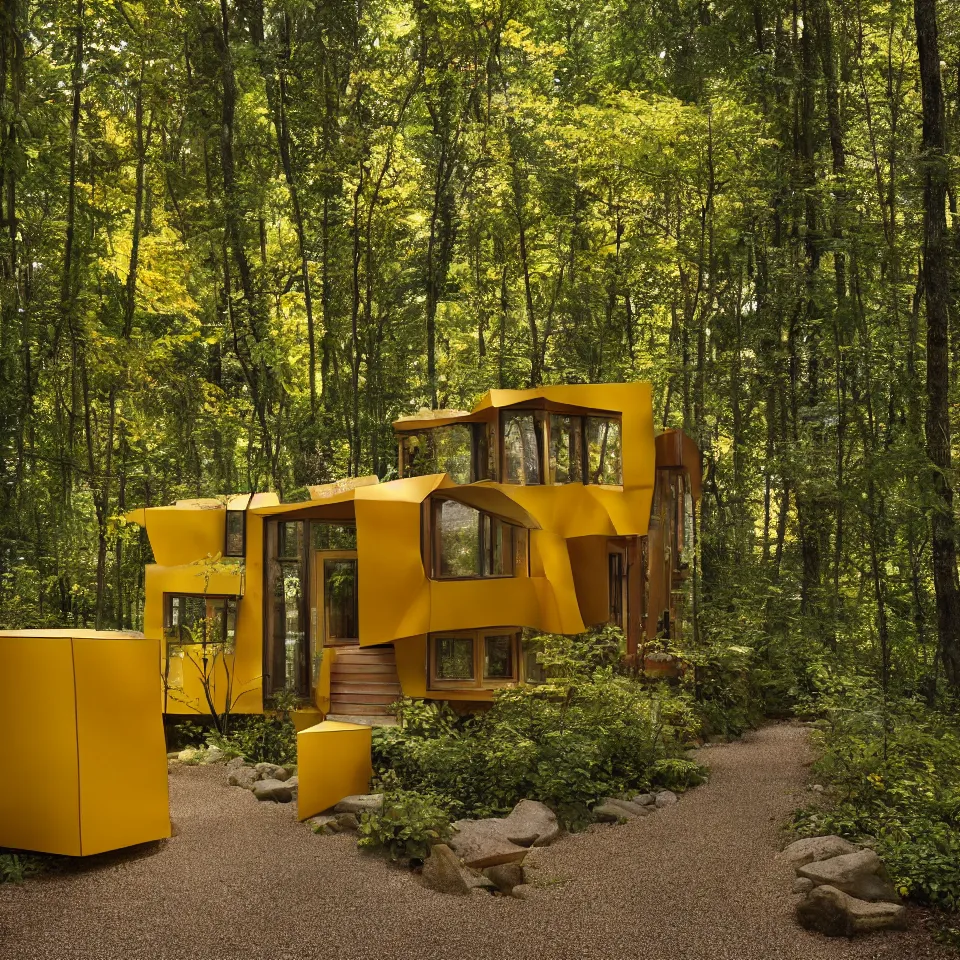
(337, 596)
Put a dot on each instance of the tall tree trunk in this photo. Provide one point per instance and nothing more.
(936, 282)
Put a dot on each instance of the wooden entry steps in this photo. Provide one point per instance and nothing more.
(363, 684)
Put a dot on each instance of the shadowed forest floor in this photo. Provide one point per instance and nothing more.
(245, 880)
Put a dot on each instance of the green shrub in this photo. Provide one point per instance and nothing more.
(586, 733)
(259, 738)
(17, 867)
(892, 772)
(676, 773)
(407, 825)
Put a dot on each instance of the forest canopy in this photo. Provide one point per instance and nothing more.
(240, 237)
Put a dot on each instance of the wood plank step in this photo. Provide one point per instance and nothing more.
(360, 709)
(380, 669)
(365, 658)
(349, 686)
(385, 698)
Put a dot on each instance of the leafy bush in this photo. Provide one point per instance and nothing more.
(584, 734)
(17, 867)
(892, 769)
(408, 825)
(675, 773)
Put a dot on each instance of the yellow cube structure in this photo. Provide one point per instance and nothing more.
(333, 762)
(80, 722)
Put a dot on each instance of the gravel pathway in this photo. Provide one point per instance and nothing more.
(245, 880)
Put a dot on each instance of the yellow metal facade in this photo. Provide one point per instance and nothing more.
(399, 603)
(94, 758)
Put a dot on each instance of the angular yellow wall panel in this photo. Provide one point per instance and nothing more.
(93, 750)
(333, 762)
(38, 740)
(123, 761)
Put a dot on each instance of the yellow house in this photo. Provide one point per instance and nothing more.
(551, 509)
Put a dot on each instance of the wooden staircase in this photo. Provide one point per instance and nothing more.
(363, 684)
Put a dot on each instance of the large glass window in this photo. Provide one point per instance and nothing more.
(190, 618)
(471, 659)
(603, 450)
(566, 449)
(333, 536)
(286, 651)
(522, 445)
(236, 531)
(439, 450)
(470, 543)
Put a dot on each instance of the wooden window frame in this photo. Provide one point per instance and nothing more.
(585, 442)
(478, 638)
(430, 543)
(178, 640)
(243, 533)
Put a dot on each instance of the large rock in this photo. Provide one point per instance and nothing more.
(531, 824)
(347, 821)
(275, 790)
(644, 799)
(505, 876)
(811, 849)
(483, 843)
(613, 810)
(360, 803)
(271, 771)
(835, 913)
(243, 776)
(859, 874)
(443, 871)
(212, 755)
(665, 798)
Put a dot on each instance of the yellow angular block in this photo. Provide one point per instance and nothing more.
(81, 725)
(333, 762)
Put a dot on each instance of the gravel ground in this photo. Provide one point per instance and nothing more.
(245, 880)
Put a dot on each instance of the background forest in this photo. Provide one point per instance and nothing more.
(239, 238)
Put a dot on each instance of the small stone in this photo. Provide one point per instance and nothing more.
(801, 885)
(523, 891)
(173, 755)
(275, 790)
(505, 876)
(836, 914)
(234, 763)
(242, 776)
(212, 755)
(644, 799)
(608, 812)
(811, 849)
(817, 787)
(360, 803)
(324, 825)
(665, 798)
(271, 771)
(348, 821)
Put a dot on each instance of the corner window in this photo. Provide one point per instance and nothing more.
(196, 618)
(522, 444)
(446, 449)
(471, 543)
(603, 451)
(566, 449)
(236, 533)
(474, 659)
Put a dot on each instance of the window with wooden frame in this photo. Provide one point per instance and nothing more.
(603, 451)
(474, 659)
(467, 543)
(235, 539)
(198, 618)
(522, 446)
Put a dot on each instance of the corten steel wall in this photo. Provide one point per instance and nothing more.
(94, 756)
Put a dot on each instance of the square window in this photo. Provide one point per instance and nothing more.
(498, 657)
(454, 658)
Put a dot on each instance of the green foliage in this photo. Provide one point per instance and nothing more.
(584, 734)
(676, 773)
(407, 825)
(892, 768)
(186, 734)
(17, 867)
(259, 738)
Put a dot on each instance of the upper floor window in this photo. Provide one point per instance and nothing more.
(236, 533)
(603, 450)
(522, 447)
(199, 618)
(566, 449)
(468, 542)
(446, 449)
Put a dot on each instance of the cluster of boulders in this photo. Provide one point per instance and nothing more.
(346, 814)
(845, 888)
(618, 809)
(488, 855)
(266, 781)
